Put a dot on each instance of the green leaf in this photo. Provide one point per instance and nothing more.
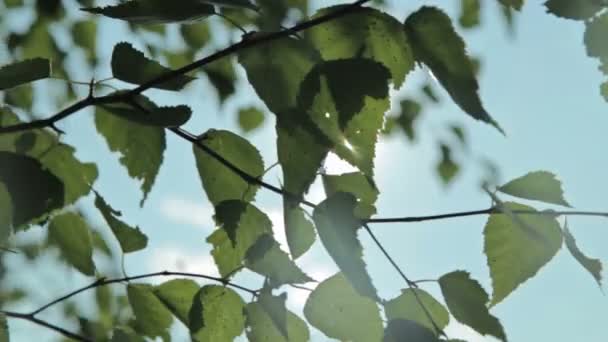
(469, 13)
(150, 114)
(5, 215)
(438, 46)
(264, 329)
(267, 258)
(125, 334)
(514, 4)
(604, 90)
(222, 76)
(130, 65)
(141, 147)
(348, 108)
(178, 295)
(410, 111)
(593, 266)
(398, 330)
(219, 182)
(34, 191)
(4, 335)
(517, 249)
(276, 70)
(216, 314)
(250, 118)
(356, 184)
(71, 233)
(336, 309)
(337, 228)
(447, 169)
(155, 11)
(22, 72)
(151, 317)
(233, 3)
(244, 225)
(299, 231)
(367, 33)
(130, 239)
(274, 306)
(407, 307)
(538, 186)
(196, 35)
(596, 31)
(575, 9)
(467, 302)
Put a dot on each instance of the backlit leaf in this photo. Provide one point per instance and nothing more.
(517, 249)
(178, 295)
(264, 329)
(299, 231)
(340, 312)
(439, 47)
(593, 266)
(155, 11)
(147, 113)
(398, 330)
(367, 33)
(250, 118)
(337, 228)
(539, 186)
(407, 307)
(219, 182)
(357, 184)
(130, 239)
(130, 65)
(216, 314)
(22, 72)
(152, 318)
(71, 233)
(467, 302)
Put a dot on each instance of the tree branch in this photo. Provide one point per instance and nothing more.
(58, 329)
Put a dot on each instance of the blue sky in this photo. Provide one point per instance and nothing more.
(539, 85)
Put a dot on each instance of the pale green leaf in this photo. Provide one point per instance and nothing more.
(216, 314)
(267, 258)
(575, 9)
(239, 227)
(439, 47)
(593, 266)
(539, 186)
(407, 307)
(22, 72)
(130, 65)
(152, 318)
(467, 302)
(196, 35)
(400, 330)
(250, 118)
(219, 182)
(366, 33)
(299, 231)
(130, 239)
(337, 228)
(155, 11)
(340, 312)
(447, 169)
(71, 233)
(274, 306)
(517, 249)
(357, 184)
(264, 329)
(141, 147)
(178, 295)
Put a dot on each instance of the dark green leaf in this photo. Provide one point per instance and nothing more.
(467, 302)
(274, 307)
(84, 34)
(594, 266)
(232, 3)
(216, 314)
(399, 330)
(595, 38)
(250, 118)
(152, 317)
(4, 335)
(222, 75)
(126, 334)
(348, 108)
(299, 231)
(410, 111)
(437, 45)
(575, 9)
(337, 228)
(469, 13)
(26, 71)
(34, 191)
(407, 307)
(219, 182)
(268, 259)
(196, 35)
(5, 215)
(517, 249)
(358, 185)
(141, 147)
(604, 90)
(515, 4)
(178, 295)
(336, 309)
(147, 113)
(263, 329)
(130, 239)
(130, 65)
(538, 186)
(71, 233)
(244, 225)
(155, 11)
(367, 33)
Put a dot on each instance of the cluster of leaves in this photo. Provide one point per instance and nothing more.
(321, 106)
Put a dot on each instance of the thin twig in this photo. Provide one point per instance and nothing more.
(58, 329)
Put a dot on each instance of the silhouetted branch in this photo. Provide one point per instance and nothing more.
(58, 329)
